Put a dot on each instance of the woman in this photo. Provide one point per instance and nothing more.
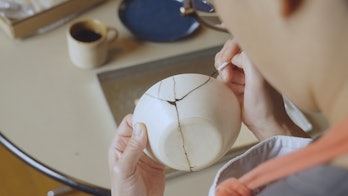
(294, 47)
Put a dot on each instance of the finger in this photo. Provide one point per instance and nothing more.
(119, 142)
(123, 131)
(134, 150)
(237, 60)
(230, 49)
(252, 75)
(125, 127)
(225, 55)
(222, 66)
(233, 74)
(237, 89)
(223, 60)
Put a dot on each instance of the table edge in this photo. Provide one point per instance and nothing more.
(50, 172)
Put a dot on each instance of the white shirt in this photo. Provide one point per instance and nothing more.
(261, 152)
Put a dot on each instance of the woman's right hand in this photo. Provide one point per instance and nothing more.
(263, 110)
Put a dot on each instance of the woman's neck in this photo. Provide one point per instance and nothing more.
(331, 96)
(331, 89)
(335, 105)
(338, 108)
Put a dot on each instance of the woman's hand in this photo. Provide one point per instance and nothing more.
(132, 173)
(263, 110)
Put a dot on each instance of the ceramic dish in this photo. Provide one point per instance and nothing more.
(156, 20)
(192, 120)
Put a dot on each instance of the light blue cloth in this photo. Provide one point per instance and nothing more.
(321, 180)
(261, 152)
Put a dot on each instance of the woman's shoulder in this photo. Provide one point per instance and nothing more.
(341, 161)
(318, 180)
(261, 152)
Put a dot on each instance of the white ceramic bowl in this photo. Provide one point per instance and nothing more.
(192, 121)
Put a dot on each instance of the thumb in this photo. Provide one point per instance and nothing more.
(252, 75)
(134, 149)
(237, 60)
(241, 60)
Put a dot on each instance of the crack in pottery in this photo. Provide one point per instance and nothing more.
(174, 103)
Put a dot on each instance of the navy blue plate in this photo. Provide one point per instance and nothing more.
(156, 20)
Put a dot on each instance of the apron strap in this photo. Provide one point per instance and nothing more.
(332, 144)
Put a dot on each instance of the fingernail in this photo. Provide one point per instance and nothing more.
(222, 66)
(138, 131)
(236, 60)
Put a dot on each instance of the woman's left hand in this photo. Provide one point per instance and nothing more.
(132, 172)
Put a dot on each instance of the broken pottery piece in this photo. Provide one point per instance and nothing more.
(192, 120)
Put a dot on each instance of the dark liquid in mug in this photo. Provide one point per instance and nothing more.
(87, 36)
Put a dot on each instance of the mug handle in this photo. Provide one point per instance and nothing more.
(112, 34)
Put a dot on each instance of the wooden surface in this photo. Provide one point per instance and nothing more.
(17, 178)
